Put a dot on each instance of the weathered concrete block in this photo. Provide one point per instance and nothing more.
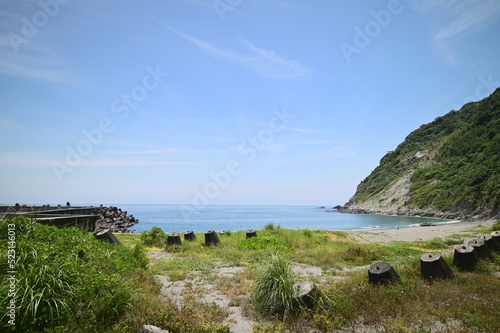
(174, 240)
(382, 273)
(107, 235)
(310, 296)
(483, 251)
(491, 242)
(211, 238)
(465, 257)
(433, 266)
(251, 233)
(189, 236)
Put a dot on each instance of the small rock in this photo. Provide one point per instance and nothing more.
(151, 329)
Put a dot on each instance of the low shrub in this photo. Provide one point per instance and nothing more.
(272, 227)
(269, 242)
(154, 237)
(307, 233)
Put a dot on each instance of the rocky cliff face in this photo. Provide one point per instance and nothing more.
(449, 168)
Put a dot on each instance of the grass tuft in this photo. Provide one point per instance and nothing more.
(275, 292)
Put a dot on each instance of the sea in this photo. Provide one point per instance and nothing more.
(180, 218)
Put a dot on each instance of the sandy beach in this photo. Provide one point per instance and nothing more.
(422, 233)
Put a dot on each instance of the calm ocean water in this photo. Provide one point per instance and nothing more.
(175, 218)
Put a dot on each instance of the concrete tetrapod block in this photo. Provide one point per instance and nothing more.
(465, 257)
(382, 273)
(174, 240)
(491, 242)
(496, 236)
(211, 238)
(310, 296)
(107, 235)
(433, 266)
(189, 236)
(483, 251)
(251, 233)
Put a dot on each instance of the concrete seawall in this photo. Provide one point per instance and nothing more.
(88, 218)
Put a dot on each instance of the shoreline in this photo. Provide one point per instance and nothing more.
(416, 233)
(463, 229)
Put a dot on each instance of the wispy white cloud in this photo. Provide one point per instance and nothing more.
(23, 56)
(457, 18)
(323, 156)
(328, 154)
(262, 61)
(23, 159)
(164, 151)
(30, 159)
(318, 142)
(33, 128)
(450, 20)
(307, 130)
(32, 63)
(129, 163)
(470, 16)
(269, 63)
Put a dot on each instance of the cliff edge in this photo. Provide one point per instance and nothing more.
(449, 168)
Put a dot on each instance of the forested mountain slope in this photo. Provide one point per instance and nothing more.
(448, 168)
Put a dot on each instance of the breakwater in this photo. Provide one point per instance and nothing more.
(89, 218)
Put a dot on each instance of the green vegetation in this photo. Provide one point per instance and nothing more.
(154, 237)
(275, 292)
(457, 162)
(496, 227)
(61, 274)
(412, 306)
(176, 269)
(70, 282)
(269, 242)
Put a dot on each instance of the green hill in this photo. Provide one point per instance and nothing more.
(447, 168)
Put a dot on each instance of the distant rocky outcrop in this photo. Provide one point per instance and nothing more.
(449, 168)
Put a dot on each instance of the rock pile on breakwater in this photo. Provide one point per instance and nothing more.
(113, 218)
(89, 218)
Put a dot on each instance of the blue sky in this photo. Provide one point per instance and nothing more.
(226, 101)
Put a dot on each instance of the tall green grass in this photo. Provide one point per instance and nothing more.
(70, 282)
(67, 278)
(275, 292)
